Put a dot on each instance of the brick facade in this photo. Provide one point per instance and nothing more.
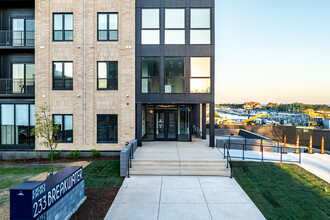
(120, 102)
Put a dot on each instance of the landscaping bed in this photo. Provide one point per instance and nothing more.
(283, 191)
(102, 182)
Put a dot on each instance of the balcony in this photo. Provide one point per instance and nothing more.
(16, 39)
(17, 87)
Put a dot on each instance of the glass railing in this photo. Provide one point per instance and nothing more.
(17, 86)
(16, 38)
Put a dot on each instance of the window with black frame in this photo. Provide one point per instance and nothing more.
(107, 24)
(175, 80)
(107, 129)
(107, 75)
(200, 26)
(63, 27)
(65, 132)
(150, 75)
(62, 75)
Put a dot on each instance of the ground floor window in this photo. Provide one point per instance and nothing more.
(17, 122)
(65, 133)
(107, 129)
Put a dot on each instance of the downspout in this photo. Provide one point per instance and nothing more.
(84, 72)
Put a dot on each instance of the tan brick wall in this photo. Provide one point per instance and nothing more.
(97, 102)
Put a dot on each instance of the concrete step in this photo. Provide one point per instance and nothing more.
(180, 172)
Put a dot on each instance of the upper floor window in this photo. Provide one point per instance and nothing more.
(174, 75)
(107, 26)
(175, 26)
(150, 75)
(107, 75)
(23, 32)
(65, 132)
(63, 75)
(150, 33)
(200, 26)
(200, 74)
(63, 27)
(23, 78)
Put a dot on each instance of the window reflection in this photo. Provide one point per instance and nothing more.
(150, 26)
(200, 75)
(200, 24)
(175, 75)
(150, 75)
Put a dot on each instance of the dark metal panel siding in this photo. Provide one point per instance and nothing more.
(163, 51)
(7, 14)
(7, 59)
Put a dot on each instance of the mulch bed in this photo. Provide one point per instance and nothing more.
(97, 203)
(62, 160)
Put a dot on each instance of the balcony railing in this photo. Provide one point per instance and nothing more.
(16, 86)
(16, 38)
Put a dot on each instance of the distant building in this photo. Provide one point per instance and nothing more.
(252, 105)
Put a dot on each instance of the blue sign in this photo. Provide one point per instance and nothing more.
(32, 199)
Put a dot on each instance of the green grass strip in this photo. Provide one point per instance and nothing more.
(103, 174)
(283, 191)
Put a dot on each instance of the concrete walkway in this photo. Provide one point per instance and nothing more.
(318, 164)
(181, 198)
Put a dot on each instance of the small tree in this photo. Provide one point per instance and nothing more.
(46, 130)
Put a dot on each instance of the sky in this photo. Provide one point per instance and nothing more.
(273, 51)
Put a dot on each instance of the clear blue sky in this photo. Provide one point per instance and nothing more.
(273, 51)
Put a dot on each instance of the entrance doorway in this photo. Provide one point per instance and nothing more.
(166, 126)
(166, 123)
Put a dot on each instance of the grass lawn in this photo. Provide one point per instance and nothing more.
(12, 176)
(103, 174)
(283, 191)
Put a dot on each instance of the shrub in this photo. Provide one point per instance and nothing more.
(37, 155)
(24, 157)
(12, 157)
(74, 154)
(95, 153)
(56, 155)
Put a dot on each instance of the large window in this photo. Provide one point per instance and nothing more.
(23, 78)
(63, 75)
(107, 26)
(175, 26)
(107, 129)
(200, 24)
(150, 33)
(107, 75)
(150, 75)
(65, 132)
(63, 27)
(17, 122)
(200, 75)
(23, 32)
(175, 75)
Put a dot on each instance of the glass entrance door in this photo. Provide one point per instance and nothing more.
(166, 126)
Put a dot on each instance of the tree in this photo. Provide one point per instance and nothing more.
(46, 130)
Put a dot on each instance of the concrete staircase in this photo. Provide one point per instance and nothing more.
(180, 167)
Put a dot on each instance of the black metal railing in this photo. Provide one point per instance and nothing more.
(243, 147)
(17, 86)
(131, 147)
(17, 38)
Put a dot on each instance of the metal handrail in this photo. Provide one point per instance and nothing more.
(244, 148)
(17, 86)
(12, 38)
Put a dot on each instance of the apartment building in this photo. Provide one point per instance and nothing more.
(110, 70)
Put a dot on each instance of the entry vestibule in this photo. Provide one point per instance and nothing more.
(166, 123)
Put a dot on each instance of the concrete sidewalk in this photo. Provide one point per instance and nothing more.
(181, 198)
(318, 164)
